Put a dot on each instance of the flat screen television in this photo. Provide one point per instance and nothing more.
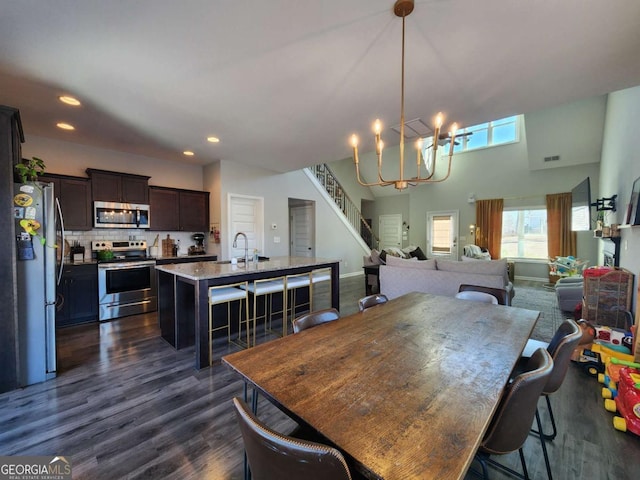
(581, 206)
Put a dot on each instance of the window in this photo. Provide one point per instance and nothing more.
(524, 233)
(442, 234)
(489, 134)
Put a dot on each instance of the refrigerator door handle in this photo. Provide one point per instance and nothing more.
(63, 252)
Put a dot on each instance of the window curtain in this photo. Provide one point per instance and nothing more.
(489, 225)
(561, 241)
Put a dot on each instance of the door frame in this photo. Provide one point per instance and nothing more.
(455, 241)
(293, 205)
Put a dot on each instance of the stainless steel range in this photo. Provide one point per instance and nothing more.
(126, 282)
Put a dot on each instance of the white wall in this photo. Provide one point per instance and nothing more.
(621, 166)
(333, 239)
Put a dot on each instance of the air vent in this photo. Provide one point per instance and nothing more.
(552, 158)
(414, 129)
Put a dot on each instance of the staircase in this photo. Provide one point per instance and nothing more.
(351, 213)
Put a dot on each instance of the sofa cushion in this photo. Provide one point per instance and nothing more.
(411, 263)
(487, 267)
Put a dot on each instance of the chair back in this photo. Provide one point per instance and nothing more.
(499, 293)
(371, 301)
(273, 456)
(512, 421)
(477, 297)
(562, 345)
(315, 318)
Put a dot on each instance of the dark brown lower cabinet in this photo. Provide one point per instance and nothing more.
(77, 295)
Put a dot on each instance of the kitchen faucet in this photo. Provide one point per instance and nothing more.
(246, 247)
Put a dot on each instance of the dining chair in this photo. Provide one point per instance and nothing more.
(500, 293)
(511, 424)
(562, 345)
(371, 301)
(315, 318)
(477, 297)
(273, 456)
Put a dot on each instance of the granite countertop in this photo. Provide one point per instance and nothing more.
(207, 270)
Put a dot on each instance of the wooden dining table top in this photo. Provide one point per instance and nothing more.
(405, 389)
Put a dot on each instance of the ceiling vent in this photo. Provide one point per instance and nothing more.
(414, 129)
(552, 158)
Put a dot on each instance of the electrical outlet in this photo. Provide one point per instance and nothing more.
(276, 239)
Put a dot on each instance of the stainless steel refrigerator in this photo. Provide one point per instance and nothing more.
(35, 213)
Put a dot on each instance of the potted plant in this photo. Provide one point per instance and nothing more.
(28, 171)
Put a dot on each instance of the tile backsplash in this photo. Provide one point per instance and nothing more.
(84, 238)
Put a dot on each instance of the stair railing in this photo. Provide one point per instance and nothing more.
(351, 212)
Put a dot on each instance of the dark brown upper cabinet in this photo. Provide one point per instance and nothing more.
(118, 187)
(175, 210)
(74, 194)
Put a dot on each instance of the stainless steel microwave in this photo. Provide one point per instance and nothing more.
(120, 215)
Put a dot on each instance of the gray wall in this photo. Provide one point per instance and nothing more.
(620, 167)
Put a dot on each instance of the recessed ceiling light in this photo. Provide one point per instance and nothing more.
(69, 100)
(213, 139)
(65, 126)
(188, 153)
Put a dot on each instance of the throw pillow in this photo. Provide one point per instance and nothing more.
(396, 252)
(375, 257)
(418, 253)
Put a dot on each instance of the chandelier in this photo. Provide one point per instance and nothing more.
(403, 8)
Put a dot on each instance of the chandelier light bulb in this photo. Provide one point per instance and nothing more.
(439, 120)
(377, 127)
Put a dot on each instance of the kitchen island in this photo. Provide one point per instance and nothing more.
(183, 288)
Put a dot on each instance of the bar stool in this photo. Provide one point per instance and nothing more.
(319, 275)
(294, 283)
(263, 288)
(227, 294)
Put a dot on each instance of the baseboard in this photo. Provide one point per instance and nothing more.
(352, 274)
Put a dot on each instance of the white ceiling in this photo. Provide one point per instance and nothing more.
(284, 83)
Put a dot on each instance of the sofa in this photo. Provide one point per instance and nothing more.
(399, 276)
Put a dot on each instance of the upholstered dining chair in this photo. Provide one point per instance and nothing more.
(562, 345)
(273, 456)
(477, 297)
(500, 293)
(371, 301)
(510, 425)
(315, 318)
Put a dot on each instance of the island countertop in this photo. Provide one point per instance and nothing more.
(208, 270)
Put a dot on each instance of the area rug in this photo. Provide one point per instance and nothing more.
(534, 296)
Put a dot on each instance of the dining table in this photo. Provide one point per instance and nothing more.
(405, 390)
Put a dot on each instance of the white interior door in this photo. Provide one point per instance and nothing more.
(442, 235)
(302, 231)
(246, 215)
(390, 230)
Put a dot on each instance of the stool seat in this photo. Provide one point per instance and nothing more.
(226, 294)
(477, 297)
(265, 288)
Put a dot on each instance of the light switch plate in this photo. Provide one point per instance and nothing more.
(276, 239)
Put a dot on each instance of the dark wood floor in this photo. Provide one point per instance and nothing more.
(127, 405)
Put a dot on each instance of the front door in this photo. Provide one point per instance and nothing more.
(442, 235)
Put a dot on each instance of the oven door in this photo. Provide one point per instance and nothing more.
(126, 289)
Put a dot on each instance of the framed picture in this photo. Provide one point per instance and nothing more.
(633, 212)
